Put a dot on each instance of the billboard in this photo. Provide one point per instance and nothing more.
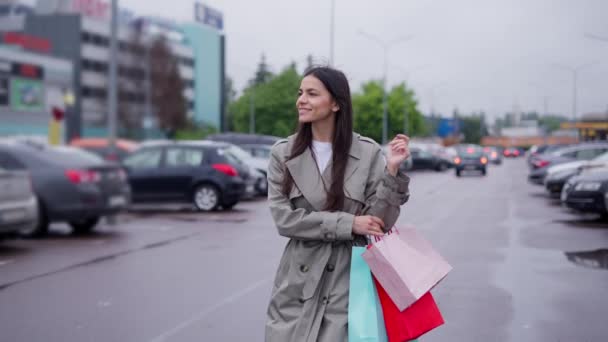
(208, 16)
(26, 94)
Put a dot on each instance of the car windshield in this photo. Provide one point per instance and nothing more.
(601, 158)
(471, 152)
(238, 152)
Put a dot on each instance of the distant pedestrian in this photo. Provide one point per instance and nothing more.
(328, 188)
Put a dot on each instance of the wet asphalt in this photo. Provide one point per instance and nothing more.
(525, 269)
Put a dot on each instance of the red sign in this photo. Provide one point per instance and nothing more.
(27, 70)
(26, 41)
(92, 8)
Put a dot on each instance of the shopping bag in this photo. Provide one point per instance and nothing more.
(406, 265)
(365, 320)
(411, 323)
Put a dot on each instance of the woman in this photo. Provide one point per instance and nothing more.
(328, 189)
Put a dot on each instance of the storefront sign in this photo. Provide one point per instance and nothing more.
(27, 42)
(27, 71)
(208, 16)
(96, 9)
(26, 95)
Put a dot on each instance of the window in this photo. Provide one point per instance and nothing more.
(8, 162)
(588, 154)
(145, 159)
(177, 156)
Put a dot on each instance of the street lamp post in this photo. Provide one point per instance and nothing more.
(331, 32)
(574, 71)
(407, 74)
(112, 84)
(386, 45)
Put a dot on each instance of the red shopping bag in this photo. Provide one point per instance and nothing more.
(411, 323)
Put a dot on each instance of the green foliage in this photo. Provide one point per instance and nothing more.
(473, 128)
(195, 131)
(263, 74)
(368, 111)
(273, 102)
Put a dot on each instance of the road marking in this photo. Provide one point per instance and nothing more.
(201, 315)
(6, 262)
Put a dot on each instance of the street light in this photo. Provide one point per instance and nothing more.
(407, 74)
(596, 37)
(574, 71)
(112, 84)
(385, 46)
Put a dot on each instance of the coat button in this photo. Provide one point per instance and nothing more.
(304, 268)
(301, 300)
(325, 300)
(330, 268)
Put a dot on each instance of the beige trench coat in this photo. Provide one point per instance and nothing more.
(309, 300)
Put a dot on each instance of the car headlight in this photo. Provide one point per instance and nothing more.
(562, 174)
(588, 186)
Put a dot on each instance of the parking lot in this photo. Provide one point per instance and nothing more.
(525, 269)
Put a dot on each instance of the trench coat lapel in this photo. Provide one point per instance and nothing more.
(306, 177)
(313, 184)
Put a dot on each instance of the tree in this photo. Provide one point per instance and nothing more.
(274, 104)
(167, 88)
(229, 96)
(367, 108)
(473, 127)
(262, 74)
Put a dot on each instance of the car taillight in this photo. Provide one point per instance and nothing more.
(506, 153)
(226, 169)
(457, 160)
(484, 160)
(516, 152)
(82, 176)
(494, 155)
(541, 163)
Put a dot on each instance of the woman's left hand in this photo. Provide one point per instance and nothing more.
(398, 152)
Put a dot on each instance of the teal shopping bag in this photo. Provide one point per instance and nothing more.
(365, 321)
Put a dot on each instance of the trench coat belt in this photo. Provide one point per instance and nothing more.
(316, 272)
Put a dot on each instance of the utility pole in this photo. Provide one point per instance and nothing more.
(386, 45)
(574, 71)
(113, 84)
(331, 32)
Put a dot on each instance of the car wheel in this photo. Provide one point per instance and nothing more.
(41, 228)
(85, 226)
(262, 187)
(457, 173)
(206, 197)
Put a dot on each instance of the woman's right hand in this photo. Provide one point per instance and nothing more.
(368, 225)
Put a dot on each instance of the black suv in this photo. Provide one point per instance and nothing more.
(204, 173)
(470, 158)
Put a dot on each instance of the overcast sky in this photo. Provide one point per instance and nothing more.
(475, 55)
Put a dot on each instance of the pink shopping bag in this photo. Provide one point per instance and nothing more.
(406, 265)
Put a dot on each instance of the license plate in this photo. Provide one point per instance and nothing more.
(12, 216)
(249, 188)
(117, 201)
(470, 167)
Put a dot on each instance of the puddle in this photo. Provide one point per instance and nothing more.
(590, 259)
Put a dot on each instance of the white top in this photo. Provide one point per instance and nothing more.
(322, 152)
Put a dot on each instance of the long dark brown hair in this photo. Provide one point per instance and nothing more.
(336, 83)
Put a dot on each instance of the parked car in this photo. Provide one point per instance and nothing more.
(18, 204)
(205, 173)
(587, 192)
(71, 185)
(557, 175)
(425, 160)
(542, 163)
(259, 168)
(470, 158)
(101, 147)
(512, 152)
(243, 138)
(261, 151)
(493, 155)
(536, 151)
